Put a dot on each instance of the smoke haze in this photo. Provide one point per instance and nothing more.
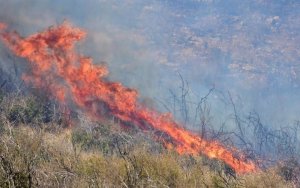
(249, 49)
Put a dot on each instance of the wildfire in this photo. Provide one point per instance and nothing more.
(72, 78)
(2, 26)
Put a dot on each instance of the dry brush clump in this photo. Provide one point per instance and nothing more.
(35, 152)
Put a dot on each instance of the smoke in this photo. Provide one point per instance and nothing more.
(71, 78)
(115, 36)
(250, 50)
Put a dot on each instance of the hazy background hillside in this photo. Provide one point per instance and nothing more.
(250, 48)
(227, 70)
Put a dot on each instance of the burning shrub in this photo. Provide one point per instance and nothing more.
(29, 158)
(36, 157)
(73, 79)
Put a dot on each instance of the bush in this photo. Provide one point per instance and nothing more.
(99, 155)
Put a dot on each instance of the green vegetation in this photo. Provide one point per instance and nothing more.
(38, 148)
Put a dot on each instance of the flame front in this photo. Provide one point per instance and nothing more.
(70, 77)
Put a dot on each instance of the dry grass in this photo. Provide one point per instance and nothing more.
(34, 153)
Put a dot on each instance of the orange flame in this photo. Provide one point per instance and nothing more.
(2, 26)
(70, 77)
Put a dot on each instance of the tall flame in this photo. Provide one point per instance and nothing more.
(72, 78)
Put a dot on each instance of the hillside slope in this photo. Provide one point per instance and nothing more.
(39, 149)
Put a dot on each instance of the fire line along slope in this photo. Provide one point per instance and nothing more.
(71, 78)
